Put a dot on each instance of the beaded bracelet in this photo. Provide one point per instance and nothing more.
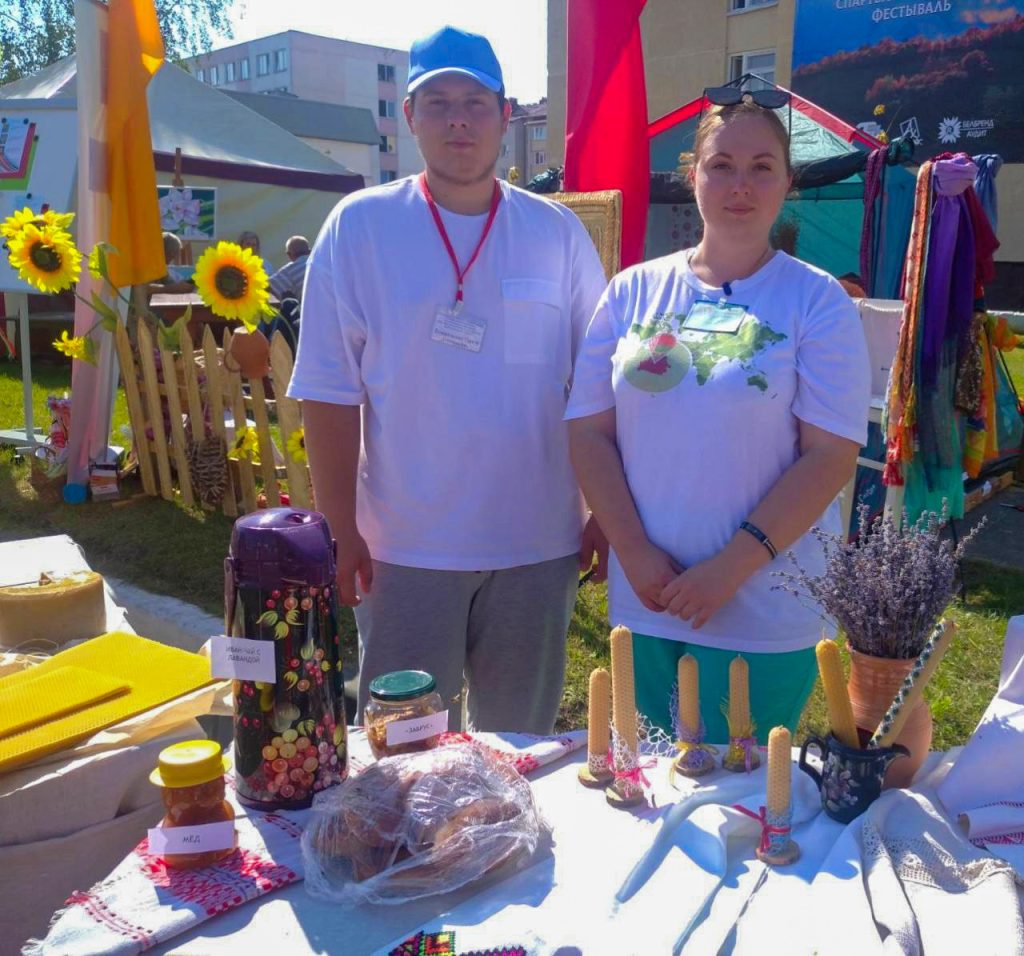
(761, 536)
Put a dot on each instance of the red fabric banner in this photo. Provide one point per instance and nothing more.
(606, 145)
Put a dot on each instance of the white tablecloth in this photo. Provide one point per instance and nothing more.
(684, 875)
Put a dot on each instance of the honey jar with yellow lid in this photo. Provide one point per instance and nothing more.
(191, 774)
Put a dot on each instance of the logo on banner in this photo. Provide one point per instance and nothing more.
(949, 129)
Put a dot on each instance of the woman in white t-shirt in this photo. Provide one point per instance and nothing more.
(718, 405)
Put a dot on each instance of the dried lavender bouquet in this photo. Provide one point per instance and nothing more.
(887, 588)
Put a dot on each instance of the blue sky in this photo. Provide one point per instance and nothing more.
(827, 26)
(518, 31)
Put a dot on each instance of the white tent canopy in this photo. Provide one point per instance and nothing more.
(267, 180)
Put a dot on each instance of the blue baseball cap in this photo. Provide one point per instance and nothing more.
(454, 51)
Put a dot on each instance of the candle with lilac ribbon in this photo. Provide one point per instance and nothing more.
(742, 755)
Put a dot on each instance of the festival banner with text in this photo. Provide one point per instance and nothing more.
(948, 72)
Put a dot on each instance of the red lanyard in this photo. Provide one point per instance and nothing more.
(460, 274)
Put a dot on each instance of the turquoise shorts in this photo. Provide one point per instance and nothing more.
(779, 684)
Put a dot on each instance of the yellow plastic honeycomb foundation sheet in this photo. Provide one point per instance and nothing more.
(37, 700)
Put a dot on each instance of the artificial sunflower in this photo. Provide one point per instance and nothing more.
(233, 283)
(15, 223)
(46, 257)
(880, 110)
(297, 446)
(245, 446)
(78, 347)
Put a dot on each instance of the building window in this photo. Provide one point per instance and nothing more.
(243, 69)
(214, 76)
(761, 63)
(386, 109)
(280, 61)
(387, 144)
(262, 64)
(538, 158)
(539, 132)
(385, 73)
(201, 75)
(388, 175)
(735, 5)
(229, 72)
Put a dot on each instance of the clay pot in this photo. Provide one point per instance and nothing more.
(872, 687)
(249, 354)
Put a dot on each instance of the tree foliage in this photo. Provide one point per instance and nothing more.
(36, 33)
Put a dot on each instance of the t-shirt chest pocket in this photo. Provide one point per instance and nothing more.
(533, 321)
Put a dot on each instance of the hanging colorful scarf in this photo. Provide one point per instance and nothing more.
(873, 173)
(900, 408)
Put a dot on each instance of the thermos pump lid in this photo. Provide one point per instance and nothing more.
(281, 545)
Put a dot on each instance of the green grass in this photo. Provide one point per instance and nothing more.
(48, 378)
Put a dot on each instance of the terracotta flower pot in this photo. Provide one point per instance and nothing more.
(872, 687)
(249, 354)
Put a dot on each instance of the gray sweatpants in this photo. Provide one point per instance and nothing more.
(503, 632)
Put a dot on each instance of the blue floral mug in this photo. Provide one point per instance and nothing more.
(850, 780)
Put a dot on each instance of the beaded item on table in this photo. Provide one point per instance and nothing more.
(913, 685)
(694, 758)
(443, 944)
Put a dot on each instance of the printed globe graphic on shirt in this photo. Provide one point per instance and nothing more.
(663, 352)
(659, 362)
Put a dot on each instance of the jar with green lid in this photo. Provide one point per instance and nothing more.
(405, 714)
(191, 774)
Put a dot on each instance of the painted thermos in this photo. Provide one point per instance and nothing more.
(279, 584)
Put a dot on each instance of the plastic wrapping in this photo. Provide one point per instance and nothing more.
(418, 824)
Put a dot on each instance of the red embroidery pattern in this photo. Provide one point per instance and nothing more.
(241, 877)
(1004, 839)
(523, 762)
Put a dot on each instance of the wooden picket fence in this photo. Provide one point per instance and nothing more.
(195, 383)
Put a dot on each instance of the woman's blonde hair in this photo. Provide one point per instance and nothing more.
(719, 116)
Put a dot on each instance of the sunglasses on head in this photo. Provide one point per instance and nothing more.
(731, 95)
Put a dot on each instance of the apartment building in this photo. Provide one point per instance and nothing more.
(525, 142)
(324, 70)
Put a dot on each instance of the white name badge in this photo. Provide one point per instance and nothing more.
(460, 330)
(198, 839)
(416, 728)
(705, 316)
(242, 659)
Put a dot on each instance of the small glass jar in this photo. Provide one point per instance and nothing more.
(191, 774)
(405, 697)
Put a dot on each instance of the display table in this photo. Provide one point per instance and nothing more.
(67, 819)
(681, 875)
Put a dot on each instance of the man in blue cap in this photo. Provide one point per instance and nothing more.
(441, 318)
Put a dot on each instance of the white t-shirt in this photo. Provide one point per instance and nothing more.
(707, 422)
(465, 462)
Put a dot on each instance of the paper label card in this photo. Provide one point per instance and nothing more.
(243, 659)
(416, 728)
(198, 839)
(459, 330)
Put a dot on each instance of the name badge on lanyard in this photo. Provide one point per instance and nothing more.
(453, 326)
(707, 316)
(459, 329)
